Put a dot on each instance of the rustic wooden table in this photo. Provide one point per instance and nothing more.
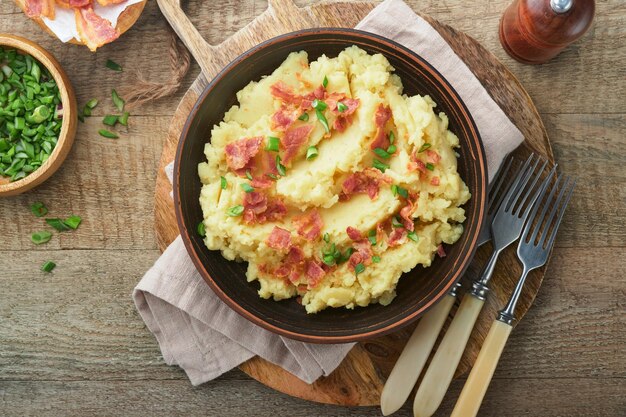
(71, 342)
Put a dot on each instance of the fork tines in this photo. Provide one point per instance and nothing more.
(545, 226)
(521, 196)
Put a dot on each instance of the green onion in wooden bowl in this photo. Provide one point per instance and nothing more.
(37, 115)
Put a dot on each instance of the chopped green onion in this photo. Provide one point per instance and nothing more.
(304, 117)
(311, 153)
(249, 175)
(394, 190)
(201, 229)
(235, 211)
(403, 192)
(430, 166)
(326, 237)
(280, 167)
(58, 224)
(382, 153)
(110, 64)
(86, 111)
(358, 268)
(123, 119)
(40, 114)
(329, 260)
(376, 259)
(117, 100)
(48, 266)
(72, 222)
(391, 149)
(272, 176)
(424, 147)
(413, 236)
(110, 120)
(341, 107)
(325, 82)
(392, 137)
(272, 143)
(107, 134)
(322, 120)
(319, 105)
(371, 236)
(40, 237)
(247, 187)
(223, 183)
(396, 223)
(382, 167)
(92, 103)
(38, 209)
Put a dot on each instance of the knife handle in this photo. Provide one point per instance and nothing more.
(478, 381)
(413, 358)
(441, 370)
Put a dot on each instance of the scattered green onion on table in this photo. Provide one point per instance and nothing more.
(31, 114)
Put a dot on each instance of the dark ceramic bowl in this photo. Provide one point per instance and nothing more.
(418, 290)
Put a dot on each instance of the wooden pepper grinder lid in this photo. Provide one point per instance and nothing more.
(535, 31)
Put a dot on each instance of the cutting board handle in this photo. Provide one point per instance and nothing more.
(202, 51)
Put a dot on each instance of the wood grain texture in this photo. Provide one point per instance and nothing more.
(361, 376)
(72, 343)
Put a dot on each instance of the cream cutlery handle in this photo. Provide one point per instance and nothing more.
(412, 359)
(476, 385)
(441, 370)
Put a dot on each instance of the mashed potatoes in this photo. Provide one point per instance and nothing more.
(330, 182)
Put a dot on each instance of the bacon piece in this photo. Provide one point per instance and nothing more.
(354, 234)
(314, 273)
(441, 251)
(258, 209)
(344, 119)
(94, 30)
(362, 255)
(407, 211)
(367, 181)
(283, 118)
(397, 236)
(40, 8)
(306, 101)
(261, 182)
(309, 226)
(293, 139)
(291, 267)
(382, 116)
(109, 2)
(432, 156)
(284, 92)
(434, 181)
(279, 239)
(240, 152)
(70, 4)
(416, 164)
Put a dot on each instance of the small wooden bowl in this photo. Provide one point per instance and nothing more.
(68, 128)
(126, 20)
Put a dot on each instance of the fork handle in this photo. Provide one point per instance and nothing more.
(478, 381)
(441, 369)
(413, 358)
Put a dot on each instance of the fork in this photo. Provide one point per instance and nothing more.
(505, 229)
(533, 251)
(409, 365)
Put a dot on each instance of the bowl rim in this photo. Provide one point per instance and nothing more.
(68, 127)
(311, 338)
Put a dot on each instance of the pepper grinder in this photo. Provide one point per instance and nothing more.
(535, 31)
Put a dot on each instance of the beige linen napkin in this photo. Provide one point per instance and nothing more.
(198, 332)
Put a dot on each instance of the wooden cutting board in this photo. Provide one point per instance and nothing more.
(361, 376)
